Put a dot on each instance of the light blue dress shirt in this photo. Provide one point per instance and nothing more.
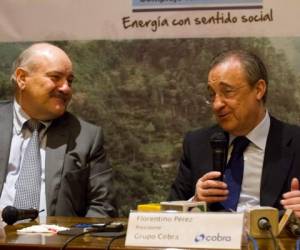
(20, 139)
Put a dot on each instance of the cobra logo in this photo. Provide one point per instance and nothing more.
(218, 237)
(199, 237)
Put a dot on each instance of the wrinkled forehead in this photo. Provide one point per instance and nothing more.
(229, 72)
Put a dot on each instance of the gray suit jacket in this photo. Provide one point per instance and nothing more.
(78, 176)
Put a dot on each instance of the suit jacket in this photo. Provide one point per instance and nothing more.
(78, 178)
(281, 163)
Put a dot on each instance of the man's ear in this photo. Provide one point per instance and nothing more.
(21, 75)
(261, 88)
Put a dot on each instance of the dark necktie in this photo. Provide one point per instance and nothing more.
(233, 174)
(28, 184)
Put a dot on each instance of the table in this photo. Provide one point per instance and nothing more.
(12, 240)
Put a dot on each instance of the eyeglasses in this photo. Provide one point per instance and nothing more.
(225, 92)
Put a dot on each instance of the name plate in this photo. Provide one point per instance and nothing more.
(185, 230)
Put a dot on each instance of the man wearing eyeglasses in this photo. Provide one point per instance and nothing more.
(270, 166)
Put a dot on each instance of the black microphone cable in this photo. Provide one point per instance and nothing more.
(95, 230)
(265, 225)
(88, 231)
(64, 246)
(107, 247)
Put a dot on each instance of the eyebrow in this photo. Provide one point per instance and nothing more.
(225, 84)
(222, 84)
(55, 72)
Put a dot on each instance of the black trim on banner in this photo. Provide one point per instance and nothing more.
(199, 8)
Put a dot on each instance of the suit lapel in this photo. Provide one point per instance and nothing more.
(57, 138)
(278, 157)
(6, 118)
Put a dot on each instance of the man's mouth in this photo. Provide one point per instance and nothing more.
(61, 97)
(222, 115)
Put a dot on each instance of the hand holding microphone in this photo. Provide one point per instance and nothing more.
(11, 214)
(210, 187)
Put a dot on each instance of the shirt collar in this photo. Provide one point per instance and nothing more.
(20, 117)
(259, 134)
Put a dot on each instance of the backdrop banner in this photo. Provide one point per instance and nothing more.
(34, 20)
(141, 71)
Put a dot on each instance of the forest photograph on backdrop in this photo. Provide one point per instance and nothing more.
(146, 94)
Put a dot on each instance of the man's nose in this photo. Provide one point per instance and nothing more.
(65, 87)
(217, 102)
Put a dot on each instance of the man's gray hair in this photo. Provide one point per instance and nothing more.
(25, 59)
(254, 67)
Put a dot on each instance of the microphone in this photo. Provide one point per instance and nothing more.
(294, 228)
(289, 221)
(261, 221)
(11, 214)
(218, 143)
(294, 225)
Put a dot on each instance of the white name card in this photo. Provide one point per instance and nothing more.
(185, 230)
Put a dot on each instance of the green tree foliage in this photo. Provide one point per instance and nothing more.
(8, 53)
(147, 94)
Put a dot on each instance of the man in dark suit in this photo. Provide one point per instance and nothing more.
(237, 86)
(75, 178)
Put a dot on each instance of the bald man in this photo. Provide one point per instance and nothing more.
(74, 177)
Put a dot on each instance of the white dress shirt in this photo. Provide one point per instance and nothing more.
(253, 164)
(20, 139)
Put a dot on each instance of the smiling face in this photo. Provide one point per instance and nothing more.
(44, 83)
(237, 105)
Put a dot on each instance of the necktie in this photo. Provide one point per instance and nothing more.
(28, 184)
(233, 174)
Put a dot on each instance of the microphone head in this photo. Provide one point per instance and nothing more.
(218, 140)
(10, 215)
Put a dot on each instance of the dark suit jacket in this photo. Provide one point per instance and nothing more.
(281, 162)
(78, 176)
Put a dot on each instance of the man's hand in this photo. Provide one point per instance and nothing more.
(209, 189)
(292, 199)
